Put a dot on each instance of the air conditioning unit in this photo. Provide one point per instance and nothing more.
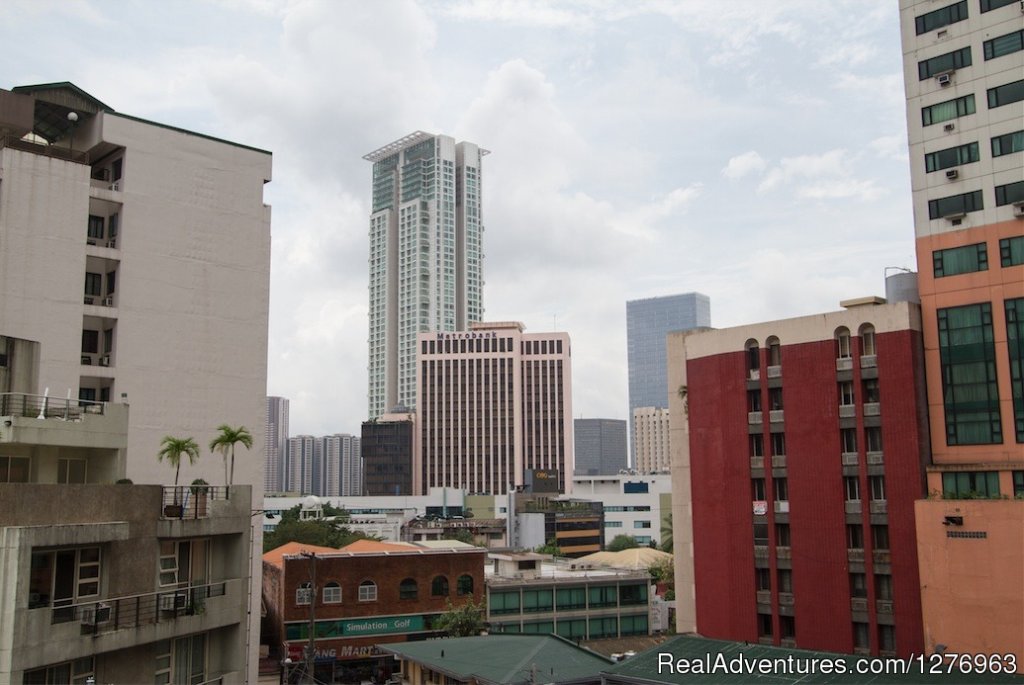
(105, 360)
(116, 185)
(1018, 210)
(112, 243)
(95, 614)
(952, 173)
(90, 241)
(86, 360)
(173, 602)
(949, 127)
(944, 79)
(955, 217)
(109, 301)
(88, 300)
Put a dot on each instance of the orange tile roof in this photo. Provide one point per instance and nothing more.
(377, 547)
(276, 556)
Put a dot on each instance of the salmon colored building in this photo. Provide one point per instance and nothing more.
(963, 68)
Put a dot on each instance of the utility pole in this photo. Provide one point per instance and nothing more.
(311, 644)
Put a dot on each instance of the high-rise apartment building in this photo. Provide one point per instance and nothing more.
(277, 444)
(425, 255)
(648, 321)
(798, 452)
(300, 460)
(600, 446)
(138, 256)
(339, 466)
(964, 76)
(495, 402)
(650, 426)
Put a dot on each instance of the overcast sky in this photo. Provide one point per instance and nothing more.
(752, 151)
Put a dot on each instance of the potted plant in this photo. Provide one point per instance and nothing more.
(172, 450)
(200, 495)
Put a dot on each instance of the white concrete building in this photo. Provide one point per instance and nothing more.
(425, 255)
(168, 231)
(638, 505)
(301, 451)
(650, 438)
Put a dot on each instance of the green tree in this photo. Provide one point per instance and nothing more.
(621, 542)
(460, 534)
(173, 449)
(551, 547)
(311, 532)
(463, 620)
(666, 533)
(225, 443)
(664, 572)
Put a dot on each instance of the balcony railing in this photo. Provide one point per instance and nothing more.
(44, 407)
(16, 143)
(844, 364)
(754, 418)
(775, 371)
(190, 501)
(115, 613)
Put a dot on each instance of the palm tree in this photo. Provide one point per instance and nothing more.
(173, 449)
(666, 533)
(225, 443)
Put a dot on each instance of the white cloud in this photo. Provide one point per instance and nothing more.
(817, 177)
(741, 165)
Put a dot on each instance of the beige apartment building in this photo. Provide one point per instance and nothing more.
(650, 439)
(494, 403)
(136, 255)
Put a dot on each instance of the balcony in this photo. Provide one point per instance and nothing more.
(757, 463)
(775, 371)
(878, 506)
(779, 461)
(44, 407)
(786, 599)
(859, 604)
(855, 554)
(116, 613)
(872, 409)
(754, 374)
(847, 411)
(754, 418)
(192, 501)
(760, 551)
(853, 506)
(844, 364)
(783, 552)
(883, 606)
(868, 361)
(61, 422)
(764, 596)
(849, 458)
(875, 458)
(776, 416)
(881, 556)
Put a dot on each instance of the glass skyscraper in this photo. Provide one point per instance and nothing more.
(425, 255)
(648, 321)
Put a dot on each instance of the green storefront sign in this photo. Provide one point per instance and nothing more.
(360, 627)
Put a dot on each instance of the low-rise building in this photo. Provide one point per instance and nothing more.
(362, 595)
(636, 505)
(531, 593)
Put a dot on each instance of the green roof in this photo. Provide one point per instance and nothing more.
(661, 665)
(504, 659)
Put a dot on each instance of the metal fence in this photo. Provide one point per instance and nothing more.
(190, 501)
(44, 407)
(115, 613)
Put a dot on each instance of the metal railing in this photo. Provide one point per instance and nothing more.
(190, 501)
(16, 143)
(115, 613)
(44, 407)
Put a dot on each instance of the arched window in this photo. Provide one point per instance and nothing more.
(303, 594)
(774, 351)
(464, 585)
(843, 350)
(408, 589)
(332, 593)
(867, 340)
(439, 586)
(367, 591)
(753, 358)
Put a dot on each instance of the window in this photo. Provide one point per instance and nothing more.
(1009, 193)
(630, 595)
(843, 350)
(1015, 349)
(947, 62)
(846, 393)
(753, 356)
(781, 487)
(1008, 143)
(90, 341)
(183, 561)
(182, 660)
(782, 535)
(761, 534)
(71, 470)
(367, 591)
(408, 589)
(851, 484)
(774, 352)
(1011, 251)
(989, 5)
(93, 284)
(785, 580)
(63, 577)
(1006, 94)
(950, 109)
(955, 204)
(753, 400)
(960, 260)
(969, 390)
(641, 524)
(880, 537)
(873, 437)
(867, 338)
(943, 16)
(602, 596)
(464, 585)
(1004, 45)
(303, 594)
(764, 625)
(858, 585)
(332, 593)
(854, 536)
(757, 445)
(779, 444)
(950, 157)
(762, 579)
(13, 469)
(95, 226)
(883, 586)
(970, 484)
(860, 636)
(571, 598)
(76, 672)
(757, 491)
(877, 485)
(504, 602)
(848, 439)
(869, 386)
(887, 638)
(1018, 484)
(775, 399)
(787, 627)
(612, 524)
(439, 586)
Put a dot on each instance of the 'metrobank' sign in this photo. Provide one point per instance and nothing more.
(472, 335)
